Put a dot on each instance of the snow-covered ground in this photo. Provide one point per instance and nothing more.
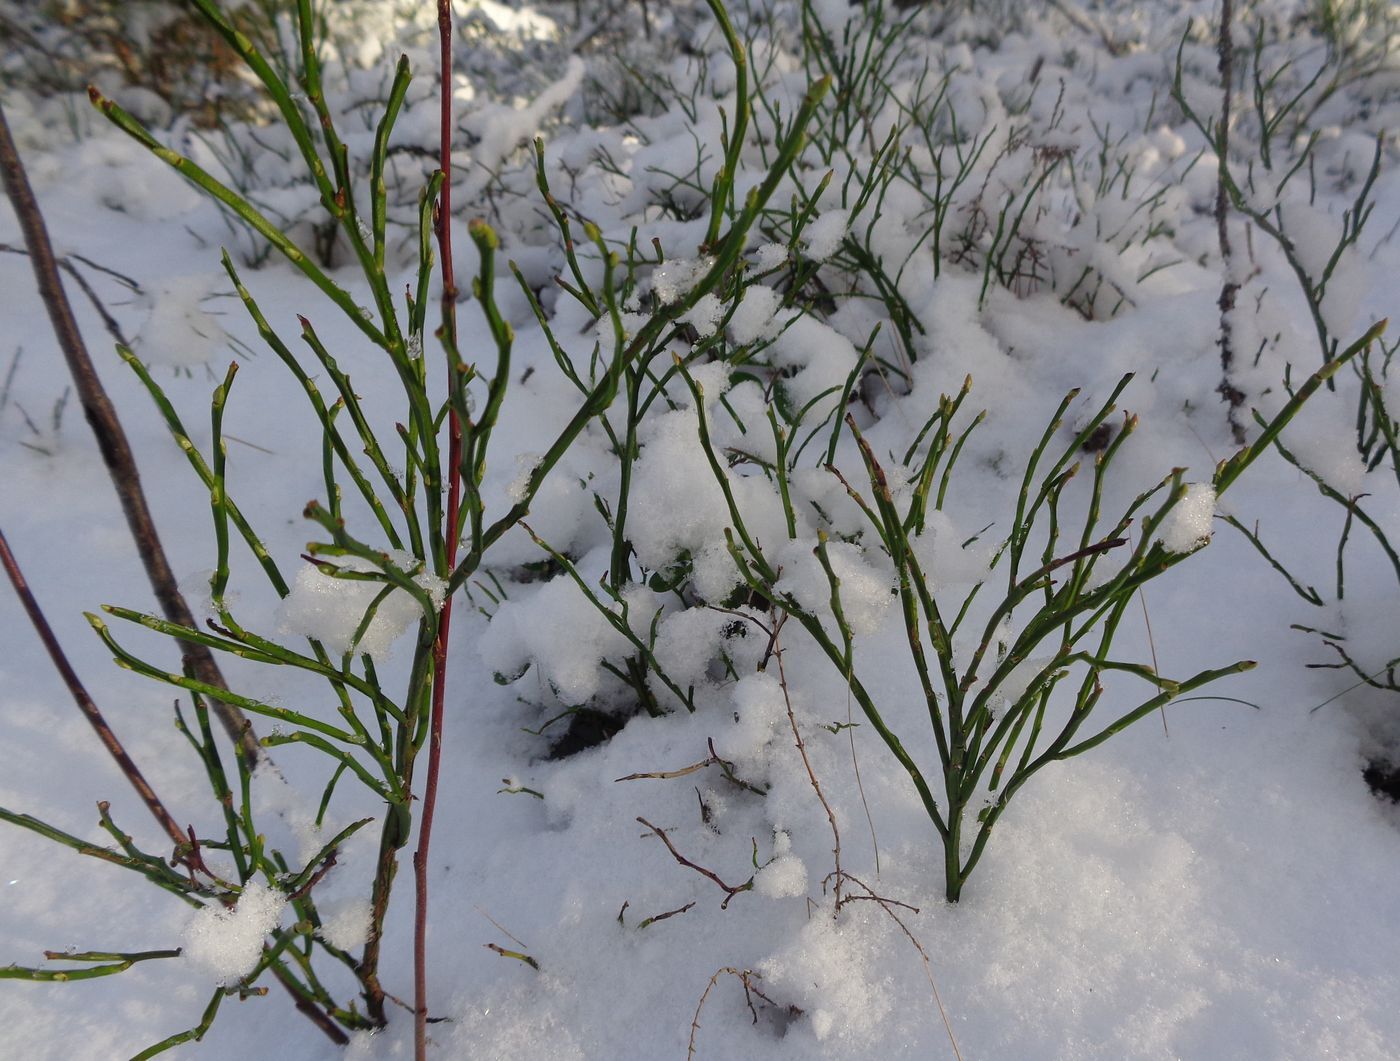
(1217, 882)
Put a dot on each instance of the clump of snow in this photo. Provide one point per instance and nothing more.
(1327, 448)
(686, 642)
(1018, 680)
(1189, 523)
(562, 633)
(757, 315)
(822, 238)
(824, 359)
(783, 878)
(677, 506)
(180, 330)
(525, 464)
(673, 279)
(769, 256)
(945, 561)
(705, 315)
(760, 713)
(866, 593)
(839, 973)
(500, 127)
(713, 380)
(330, 609)
(345, 924)
(228, 942)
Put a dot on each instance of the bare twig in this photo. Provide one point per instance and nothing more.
(1229, 288)
(730, 889)
(888, 906)
(802, 751)
(1152, 646)
(66, 264)
(654, 918)
(747, 978)
(726, 768)
(111, 439)
(85, 702)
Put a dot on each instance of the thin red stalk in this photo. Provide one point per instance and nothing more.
(454, 492)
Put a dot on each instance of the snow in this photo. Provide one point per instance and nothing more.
(1214, 882)
(180, 330)
(822, 238)
(671, 280)
(227, 944)
(346, 924)
(1189, 522)
(331, 609)
(756, 317)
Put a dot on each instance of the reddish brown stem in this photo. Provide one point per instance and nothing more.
(731, 890)
(111, 439)
(454, 493)
(85, 702)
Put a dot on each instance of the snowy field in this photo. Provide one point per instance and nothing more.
(1016, 196)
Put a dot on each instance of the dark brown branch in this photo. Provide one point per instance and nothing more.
(85, 702)
(111, 439)
(730, 890)
(1229, 288)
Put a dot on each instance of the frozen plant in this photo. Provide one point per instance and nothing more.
(1053, 597)
(1276, 192)
(390, 561)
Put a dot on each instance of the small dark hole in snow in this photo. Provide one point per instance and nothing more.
(1383, 779)
(586, 729)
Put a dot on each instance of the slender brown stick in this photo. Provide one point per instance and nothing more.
(111, 439)
(888, 906)
(802, 751)
(730, 889)
(85, 702)
(454, 492)
(133, 773)
(1229, 393)
(746, 977)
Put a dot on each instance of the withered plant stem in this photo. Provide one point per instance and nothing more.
(111, 439)
(839, 875)
(84, 701)
(1229, 288)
